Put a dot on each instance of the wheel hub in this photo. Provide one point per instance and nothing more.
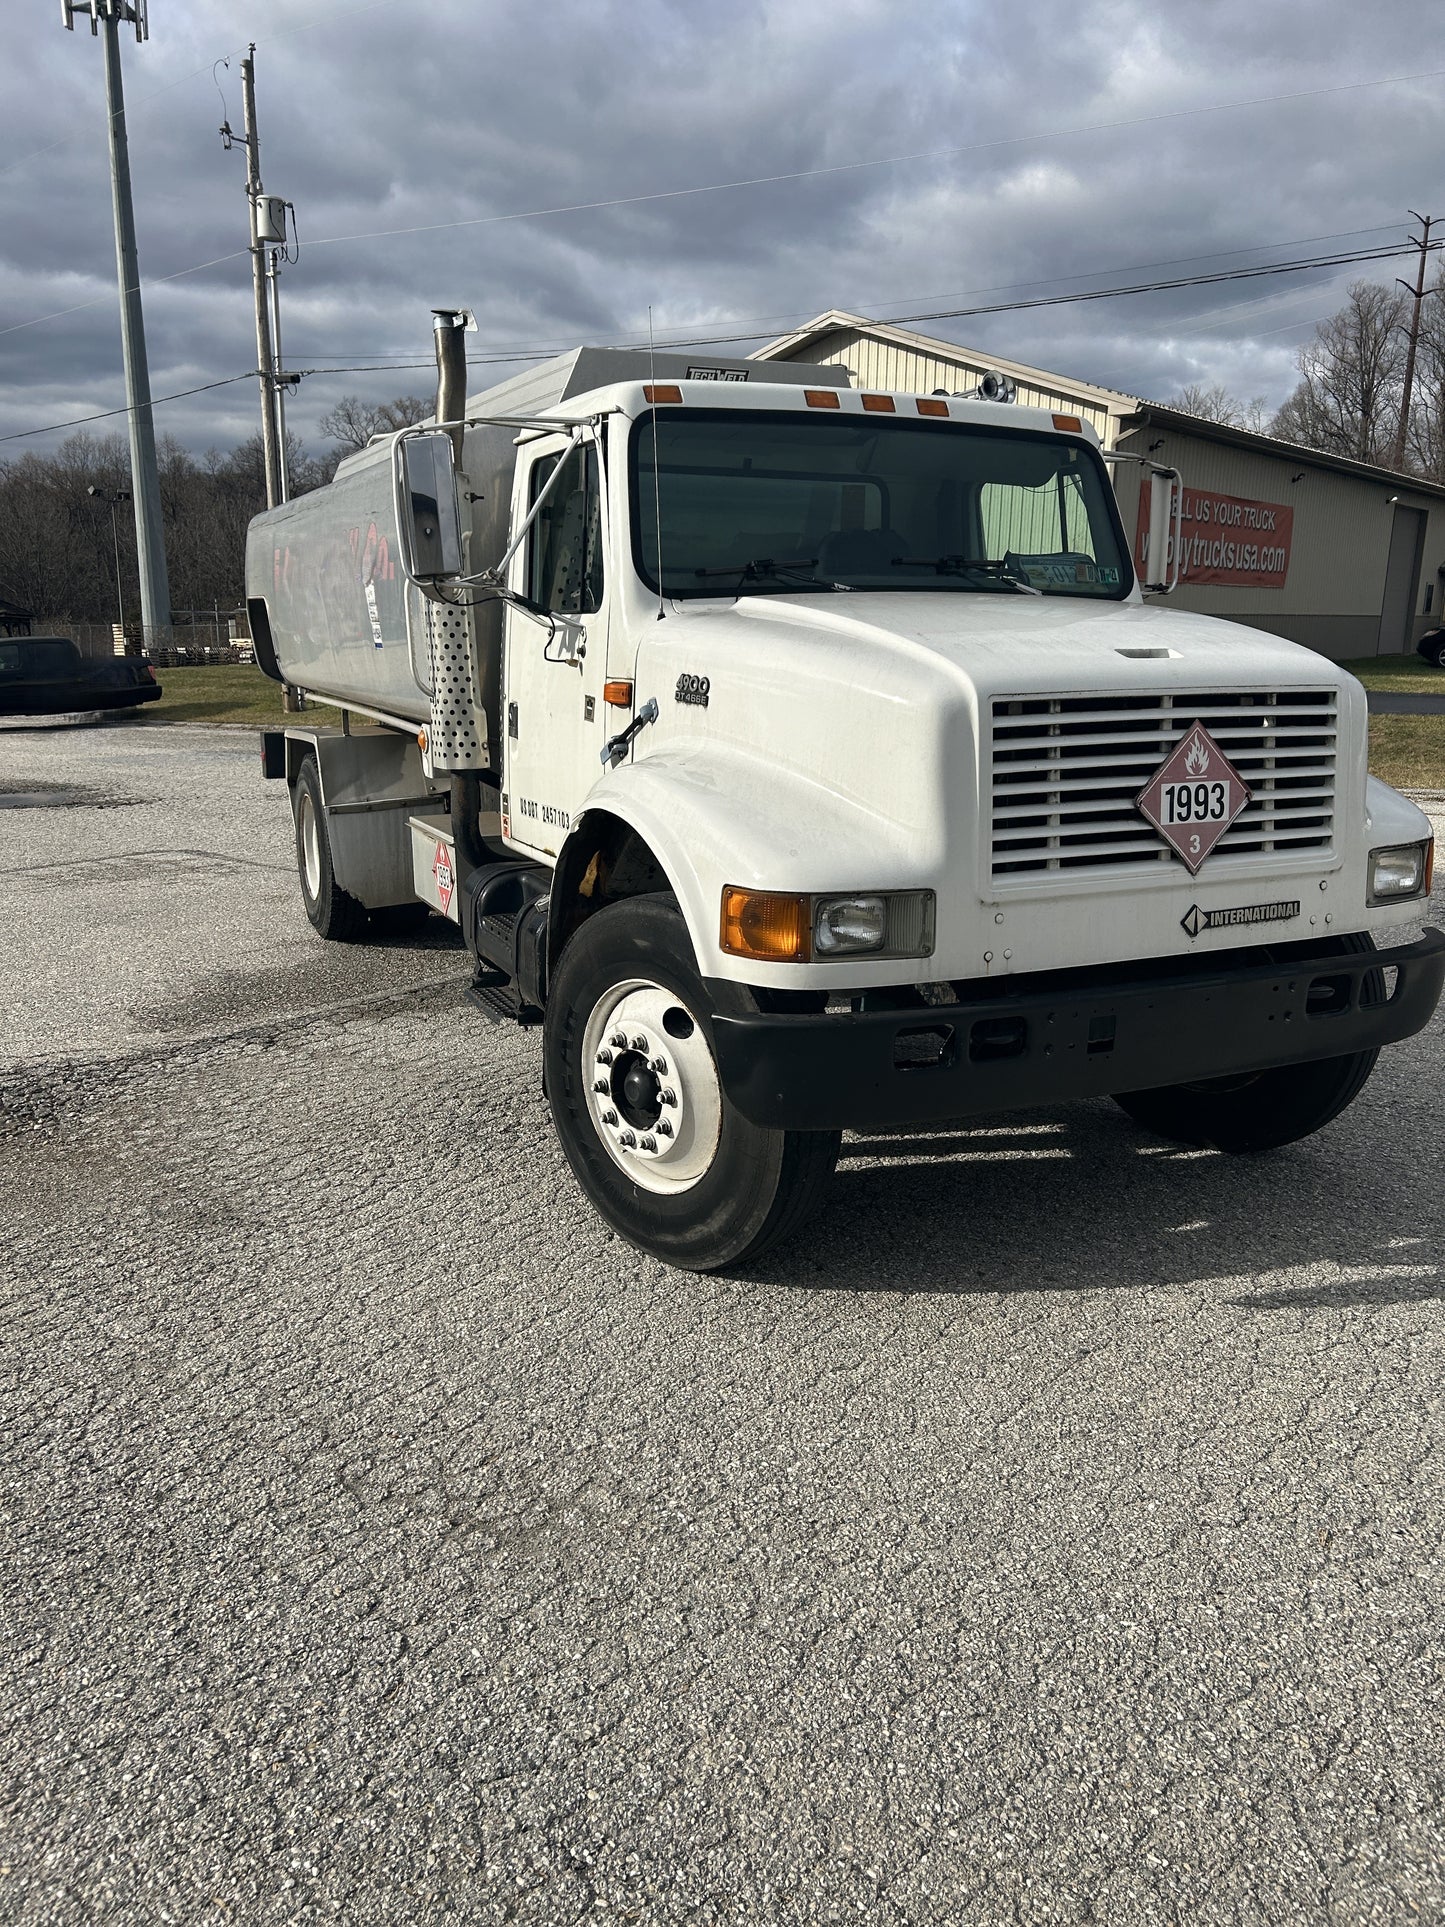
(652, 1086)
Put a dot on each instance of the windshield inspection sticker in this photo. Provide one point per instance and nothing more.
(1193, 797)
(1196, 920)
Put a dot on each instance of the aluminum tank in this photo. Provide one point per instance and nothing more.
(344, 622)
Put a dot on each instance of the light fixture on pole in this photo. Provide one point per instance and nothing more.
(155, 595)
(114, 497)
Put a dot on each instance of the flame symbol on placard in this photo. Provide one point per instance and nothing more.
(1196, 758)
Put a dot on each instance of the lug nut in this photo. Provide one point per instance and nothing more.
(664, 1129)
(639, 1043)
(667, 1097)
(659, 1064)
(619, 1040)
(629, 1138)
(602, 1087)
(604, 1057)
(649, 1144)
(609, 1117)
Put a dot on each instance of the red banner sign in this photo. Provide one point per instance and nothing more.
(1227, 539)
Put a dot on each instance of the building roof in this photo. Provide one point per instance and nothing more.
(1131, 412)
(790, 347)
(1154, 414)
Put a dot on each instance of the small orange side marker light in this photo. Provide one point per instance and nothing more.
(1068, 424)
(619, 694)
(656, 391)
(878, 405)
(821, 398)
(1429, 866)
(928, 406)
(421, 741)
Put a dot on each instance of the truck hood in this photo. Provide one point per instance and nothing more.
(1001, 643)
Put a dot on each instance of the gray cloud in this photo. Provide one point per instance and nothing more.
(398, 116)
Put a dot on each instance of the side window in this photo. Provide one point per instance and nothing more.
(564, 570)
(9, 658)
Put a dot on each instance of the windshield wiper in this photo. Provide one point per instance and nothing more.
(763, 568)
(965, 565)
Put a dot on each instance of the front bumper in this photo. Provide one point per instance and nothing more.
(1078, 1035)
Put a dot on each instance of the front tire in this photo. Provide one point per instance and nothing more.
(641, 1112)
(333, 913)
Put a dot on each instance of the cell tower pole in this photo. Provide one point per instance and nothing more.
(155, 596)
(265, 356)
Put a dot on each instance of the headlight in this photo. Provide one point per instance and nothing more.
(1400, 872)
(776, 928)
(849, 924)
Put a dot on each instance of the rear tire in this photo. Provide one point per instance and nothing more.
(334, 914)
(1263, 1109)
(662, 1153)
(1436, 654)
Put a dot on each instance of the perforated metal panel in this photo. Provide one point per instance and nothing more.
(458, 734)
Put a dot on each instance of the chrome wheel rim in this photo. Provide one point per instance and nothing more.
(653, 1092)
(310, 845)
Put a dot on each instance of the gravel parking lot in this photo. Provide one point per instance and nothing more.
(1052, 1534)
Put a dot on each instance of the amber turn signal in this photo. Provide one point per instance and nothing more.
(619, 694)
(765, 926)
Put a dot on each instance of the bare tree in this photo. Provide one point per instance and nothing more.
(1216, 404)
(353, 422)
(1348, 398)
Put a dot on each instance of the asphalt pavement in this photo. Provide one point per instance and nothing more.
(1385, 702)
(1052, 1534)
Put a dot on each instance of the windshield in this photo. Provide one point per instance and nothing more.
(755, 503)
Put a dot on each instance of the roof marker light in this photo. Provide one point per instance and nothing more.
(656, 391)
(1068, 424)
(821, 397)
(928, 406)
(878, 405)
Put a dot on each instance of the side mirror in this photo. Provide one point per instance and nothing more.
(1163, 555)
(428, 517)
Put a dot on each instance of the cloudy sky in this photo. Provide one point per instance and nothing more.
(948, 154)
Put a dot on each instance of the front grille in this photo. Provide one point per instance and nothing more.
(1065, 771)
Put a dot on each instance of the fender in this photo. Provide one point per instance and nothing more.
(715, 814)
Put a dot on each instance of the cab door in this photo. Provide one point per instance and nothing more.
(553, 711)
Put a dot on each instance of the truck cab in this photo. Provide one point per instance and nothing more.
(823, 766)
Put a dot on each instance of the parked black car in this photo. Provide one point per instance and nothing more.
(1432, 647)
(48, 676)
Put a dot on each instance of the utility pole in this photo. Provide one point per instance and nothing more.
(155, 596)
(265, 357)
(1418, 293)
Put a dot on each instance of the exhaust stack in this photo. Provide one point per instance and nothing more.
(449, 327)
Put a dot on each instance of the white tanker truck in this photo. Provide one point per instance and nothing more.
(806, 760)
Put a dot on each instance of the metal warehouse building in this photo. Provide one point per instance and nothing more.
(1345, 557)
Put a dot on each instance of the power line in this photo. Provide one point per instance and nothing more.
(109, 414)
(774, 180)
(404, 357)
(485, 357)
(854, 167)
